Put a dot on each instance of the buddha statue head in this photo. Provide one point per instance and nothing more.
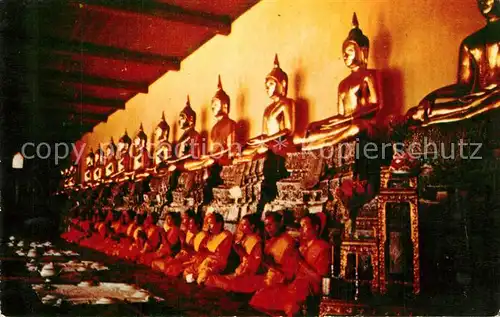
(276, 80)
(140, 139)
(90, 159)
(187, 117)
(124, 144)
(111, 149)
(162, 131)
(220, 101)
(355, 47)
(490, 9)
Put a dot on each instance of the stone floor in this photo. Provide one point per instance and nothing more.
(182, 299)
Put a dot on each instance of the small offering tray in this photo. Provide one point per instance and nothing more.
(104, 293)
(60, 253)
(83, 266)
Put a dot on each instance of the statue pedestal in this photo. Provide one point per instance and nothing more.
(189, 192)
(247, 186)
(302, 189)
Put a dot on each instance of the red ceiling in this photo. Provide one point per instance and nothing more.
(93, 55)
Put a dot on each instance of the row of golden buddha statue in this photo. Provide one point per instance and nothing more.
(359, 100)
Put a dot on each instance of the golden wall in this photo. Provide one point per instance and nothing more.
(413, 43)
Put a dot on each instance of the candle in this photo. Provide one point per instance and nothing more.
(333, 257)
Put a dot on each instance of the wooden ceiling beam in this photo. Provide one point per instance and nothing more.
(83, 100)
(64, 120)
(109, 52)
(50, 45)
(74, 113)
(221, 24)
(85, 79)
(77, 109)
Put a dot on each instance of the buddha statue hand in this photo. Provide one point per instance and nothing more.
(256, 141)
(422, 112)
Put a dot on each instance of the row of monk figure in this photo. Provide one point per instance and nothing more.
(280, 271)
(359, 99)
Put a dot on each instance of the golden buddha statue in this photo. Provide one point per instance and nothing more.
(123, 156)
(222, 135)
(189, 144)
(358, 97)
(477, 88)
(110, 160)
(279, 117)
(140, 154)
(162, 148)
(99, 164)
(89, 163)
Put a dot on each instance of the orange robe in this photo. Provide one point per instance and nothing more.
(153, 243)
(78, 230)
(122, 248)
(95, 236)
(284, 253)
(98, 239)
(213, 260)
(111, 242)
(175, 266)
(169, 246)
(249, 265)
(313, 265)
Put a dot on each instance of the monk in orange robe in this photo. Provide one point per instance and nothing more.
(93, 234)
(113, 223)
(280, 258)
(119, 227)
(314, 262)
(248, 246)
(170, 241)
(125, 236)
(79, 227)
(212, 259)
(139, 247)
(102, 229)
(153, 237)
(126, 249)
(194, 241)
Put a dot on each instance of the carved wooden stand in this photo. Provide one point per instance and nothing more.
(361, 247)
(393, 192)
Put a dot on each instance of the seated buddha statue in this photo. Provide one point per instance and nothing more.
(222, 135)
(89, 163)
(279, 117)
(110, 160)
(358, 97)
(140, 156)
(99, 164)
(162, 148)
(189, 144)
(477, 88)
(123, 157)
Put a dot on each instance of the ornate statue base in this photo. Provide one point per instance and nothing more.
(247, 186)
(454, 153)
(302, 189)
(192, 189)
(314, 177)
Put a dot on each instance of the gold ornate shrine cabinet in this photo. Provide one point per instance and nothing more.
(398, 190)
